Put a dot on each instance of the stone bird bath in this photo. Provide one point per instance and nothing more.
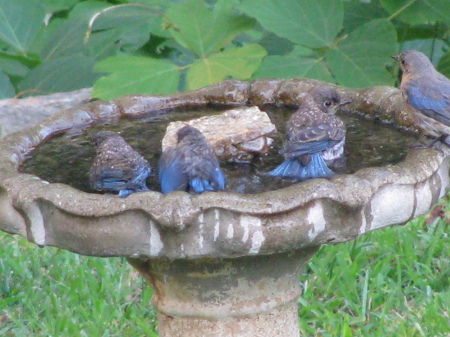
(220, 264)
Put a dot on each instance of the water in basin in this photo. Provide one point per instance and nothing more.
(66, 158)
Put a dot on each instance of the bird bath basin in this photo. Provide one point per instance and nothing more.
(220, 264)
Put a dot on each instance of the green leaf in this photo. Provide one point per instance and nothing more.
(135, 75)
(444, 64)
(234, 62)
(131, 24)
(312, 23)
(428, 31)
(28, 60)
(202, 31)
(298, 64)
(6, 88)
(66, 40)
(358, 13)
(59, 75)
(53, 6)
(418, 11)
(85, 10)
(360, 59)
(433, 48)
(13, 67)
(276, 45)
(20, 21)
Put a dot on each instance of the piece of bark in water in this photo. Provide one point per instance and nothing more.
(236, 135)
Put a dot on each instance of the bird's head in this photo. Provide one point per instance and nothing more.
(413, 62)
(327, 99)
(100, 137)
(189, 133)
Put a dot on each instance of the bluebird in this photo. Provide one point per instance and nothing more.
(191, 165)
(426, 90)
(314, 136)
(117, 168)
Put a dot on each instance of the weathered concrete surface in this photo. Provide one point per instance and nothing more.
(179, 225)
(220, 263)
(16, 114)
(239, 297)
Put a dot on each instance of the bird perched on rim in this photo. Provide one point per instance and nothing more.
(191, 165)
(117, 168)
(426, 90)
(314, 136)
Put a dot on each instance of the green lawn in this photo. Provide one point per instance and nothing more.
(392, 282)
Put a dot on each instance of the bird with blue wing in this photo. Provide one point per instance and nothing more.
(191, 165)
(315, 136)
(427, 91)
(117, 167)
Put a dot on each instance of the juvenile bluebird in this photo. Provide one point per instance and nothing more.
(314, 136)
(191, 166)
(117, 168)
(426, 90)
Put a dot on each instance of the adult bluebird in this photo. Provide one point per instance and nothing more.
(426, 90)
(314, 136)
(117, 168)
(191, 165)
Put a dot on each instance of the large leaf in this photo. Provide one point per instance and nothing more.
(276, 45)
(433, 48)
(358, 13)
(202, 31)
(444, 64)
(130, 23)
(360, 59)
(58, 5)
(418, 11)
(135, 75)
(62, 74)
(311, 23)
(13, 67)
(234, 62)
(20, 21)
(6, 88)
(298, 64)
(29, 60)
(66, 40)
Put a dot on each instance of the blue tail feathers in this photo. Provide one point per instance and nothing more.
(292, 168)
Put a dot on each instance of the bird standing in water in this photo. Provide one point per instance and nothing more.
(428, 91)
(117, 168)
(314, 136)
(190, 166)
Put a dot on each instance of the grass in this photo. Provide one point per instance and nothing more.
(391, 282)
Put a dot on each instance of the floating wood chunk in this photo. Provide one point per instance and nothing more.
(236, 135)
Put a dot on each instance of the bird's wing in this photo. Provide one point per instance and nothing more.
(117, 179)
(207, 170)
(431, 96)
(308, 140)
(171, 174)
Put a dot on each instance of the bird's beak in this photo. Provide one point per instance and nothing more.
(344, 103)
(396, 57)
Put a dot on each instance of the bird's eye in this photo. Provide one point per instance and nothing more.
(403, 61)
(327, 104)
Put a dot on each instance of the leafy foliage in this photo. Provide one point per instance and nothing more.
(158, 47)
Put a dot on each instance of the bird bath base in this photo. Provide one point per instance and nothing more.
(242, 297)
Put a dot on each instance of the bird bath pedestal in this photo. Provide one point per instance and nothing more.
(220, 264)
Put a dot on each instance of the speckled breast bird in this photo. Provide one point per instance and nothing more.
(191, 166)
(314, 136)
(117, 168)
(427, 91)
